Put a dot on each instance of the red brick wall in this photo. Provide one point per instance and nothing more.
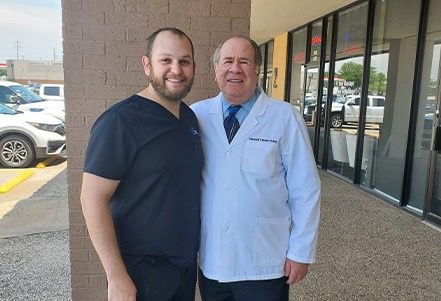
(103, 45)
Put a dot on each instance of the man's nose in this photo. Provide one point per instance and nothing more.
(235, 67)
(176, 68)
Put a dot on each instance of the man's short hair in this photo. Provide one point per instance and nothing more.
(257, 53)
(150, 41)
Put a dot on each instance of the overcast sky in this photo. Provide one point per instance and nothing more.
(35, 24)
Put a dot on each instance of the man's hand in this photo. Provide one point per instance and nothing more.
(121, 289)
(295, 271)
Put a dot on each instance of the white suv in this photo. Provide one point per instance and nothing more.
(26, 136)
(349, 111)
(17, 96)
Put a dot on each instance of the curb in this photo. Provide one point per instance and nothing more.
(44, 163)
(16, 180)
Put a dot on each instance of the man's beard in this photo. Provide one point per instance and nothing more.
(160, 87)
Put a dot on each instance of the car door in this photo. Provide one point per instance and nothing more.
(352, 109)
(375, 109)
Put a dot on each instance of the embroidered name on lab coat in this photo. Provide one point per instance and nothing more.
(262, 140)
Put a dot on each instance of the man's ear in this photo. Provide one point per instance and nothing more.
(146, 65)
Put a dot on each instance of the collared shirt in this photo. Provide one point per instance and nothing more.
(244, 110)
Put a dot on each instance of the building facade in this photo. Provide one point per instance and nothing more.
(103, 44)
(364, 74)
(43, 72)
(366, 78)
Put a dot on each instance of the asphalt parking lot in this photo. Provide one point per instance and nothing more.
(34, 252)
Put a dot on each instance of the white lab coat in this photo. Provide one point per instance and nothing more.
(260, 194)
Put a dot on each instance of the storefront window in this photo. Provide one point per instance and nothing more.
(262, 79)
(348, 78)
(428, 109)
(298, 68)
(390, 93)
(266, 68)
(312, 79)
(269, 70)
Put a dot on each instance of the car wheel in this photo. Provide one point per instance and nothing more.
(16, 151)
(336, 120)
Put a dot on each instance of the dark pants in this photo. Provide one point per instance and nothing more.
(156, 279)
(260, 290)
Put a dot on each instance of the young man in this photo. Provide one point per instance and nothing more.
(260, 188)
(141, 183)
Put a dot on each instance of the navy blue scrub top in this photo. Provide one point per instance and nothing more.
(158, 160)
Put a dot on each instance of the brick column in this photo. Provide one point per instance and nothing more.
(103, 45)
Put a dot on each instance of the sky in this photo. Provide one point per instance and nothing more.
(35, 24)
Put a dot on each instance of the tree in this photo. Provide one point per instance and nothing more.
(2, 72)
(377, 82)
(352, 72)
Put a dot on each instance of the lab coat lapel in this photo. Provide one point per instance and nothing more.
(252, 119)
(217, 119)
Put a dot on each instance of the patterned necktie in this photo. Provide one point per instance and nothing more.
(231, 124)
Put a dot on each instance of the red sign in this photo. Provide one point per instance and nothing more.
(317, 40)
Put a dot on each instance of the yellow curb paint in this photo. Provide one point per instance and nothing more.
(16, 180)
(46, 162)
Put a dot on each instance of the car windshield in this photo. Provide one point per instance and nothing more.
(7, 110)
(26, 94)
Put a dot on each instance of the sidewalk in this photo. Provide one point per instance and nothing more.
(35, 205)
(370, 250)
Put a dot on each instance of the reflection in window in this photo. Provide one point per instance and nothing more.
(348, 79)
(262, 79)
(266, 68)
(298, 68)
(269, 69)
(427, 109)
(390, 94)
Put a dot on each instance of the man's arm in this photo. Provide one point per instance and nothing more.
(303, 185)
(96, 193)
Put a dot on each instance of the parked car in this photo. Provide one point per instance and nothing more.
(26, 136)
(310, 105)
(52, 92)
(18, 97)
(349, 111)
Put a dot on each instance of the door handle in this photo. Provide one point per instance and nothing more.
(437, 139)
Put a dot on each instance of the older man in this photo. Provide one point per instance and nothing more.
(260, 188)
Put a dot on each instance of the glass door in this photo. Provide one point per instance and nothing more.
(433, 123)
(311, 81)
(425, 189)
(348, 80)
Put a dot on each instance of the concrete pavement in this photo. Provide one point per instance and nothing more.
(32, 206)
(34, 255)
(368, 249)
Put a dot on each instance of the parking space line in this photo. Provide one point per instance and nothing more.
(16, 180)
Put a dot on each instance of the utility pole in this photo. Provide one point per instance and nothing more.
(55, 55)
(17, 46)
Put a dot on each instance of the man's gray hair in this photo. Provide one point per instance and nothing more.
(257, 54)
